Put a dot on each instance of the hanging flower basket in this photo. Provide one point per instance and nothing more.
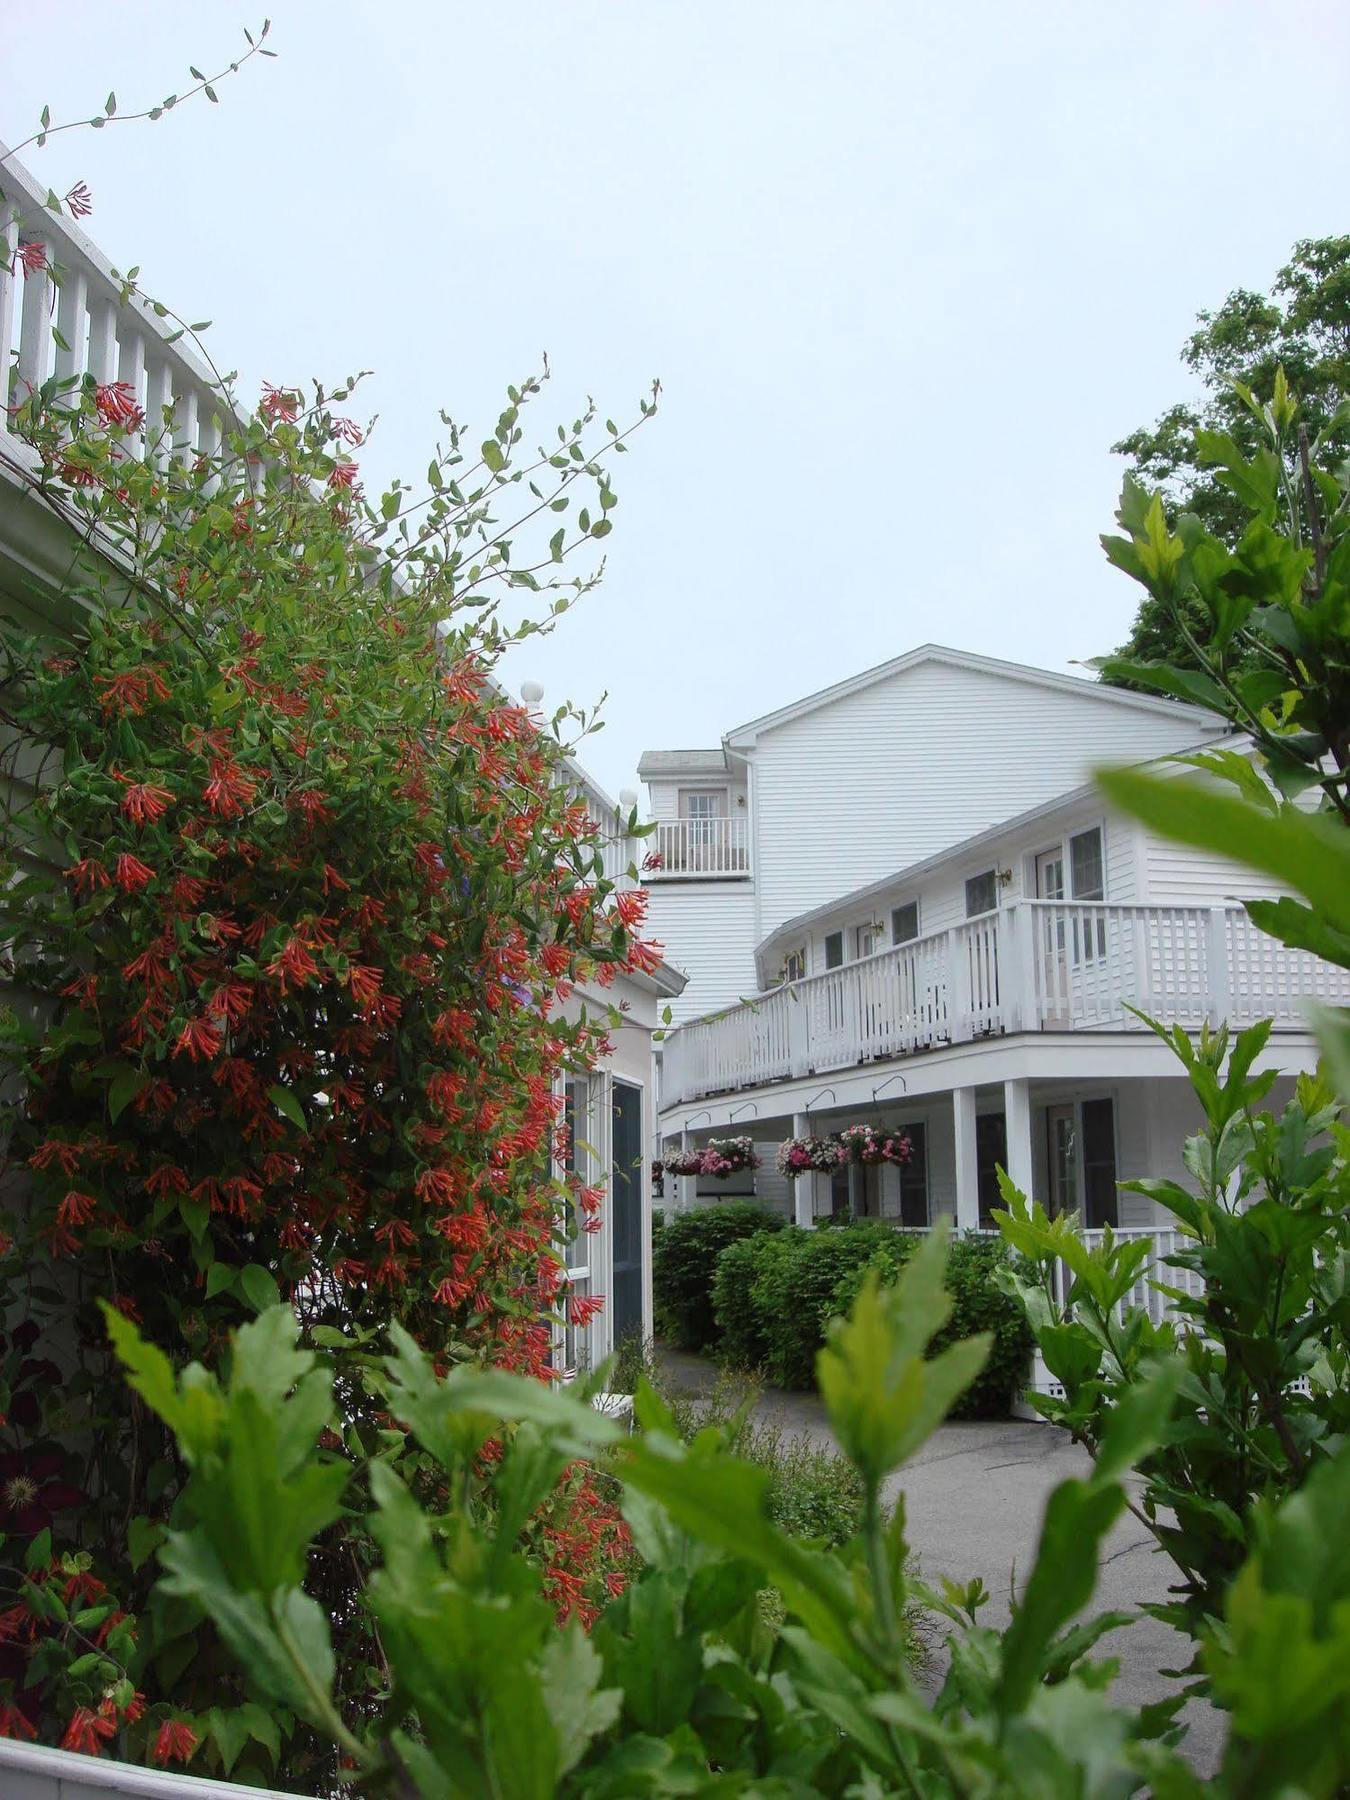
(722, 1158)
(682, 1162)
(809, 1156)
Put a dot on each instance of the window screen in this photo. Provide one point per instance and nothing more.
(1099, 1163)
(991, 1149)
(905, 922)
(834, 950)
(1087, 865)
(981, 894)
(914, 1177)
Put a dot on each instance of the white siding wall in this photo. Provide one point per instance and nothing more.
(942, 895)
(707, 929)
(664, 794)
(898, 771)
(1177, 876)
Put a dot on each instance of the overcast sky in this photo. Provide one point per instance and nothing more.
(905, 272)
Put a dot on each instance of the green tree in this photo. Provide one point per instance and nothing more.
(1303, 326)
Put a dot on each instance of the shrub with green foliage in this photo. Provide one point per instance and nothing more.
(774, 1299)
(684, 1259)
(980, 1304)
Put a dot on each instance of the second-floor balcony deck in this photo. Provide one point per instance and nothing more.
(1035, 966)
(698, 849)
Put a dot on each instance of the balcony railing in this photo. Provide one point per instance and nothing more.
(698, 848)
(1034, 966)
(75, 323)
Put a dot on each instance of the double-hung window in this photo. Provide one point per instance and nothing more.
(834, 949)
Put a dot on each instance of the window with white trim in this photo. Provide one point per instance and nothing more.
(905, 922)
(794, 964)
(981, 894)
(834, 949)
(1087, 865)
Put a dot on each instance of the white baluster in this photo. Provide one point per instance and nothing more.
(34, 330)
(102, 338)
(131, 373)
(72, 321)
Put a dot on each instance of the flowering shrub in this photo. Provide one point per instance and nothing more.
(723, 1157)
(294, 896)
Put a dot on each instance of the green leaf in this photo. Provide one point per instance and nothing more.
(123, 1089)
(219, 1277)
(570, 1669)
(285, 1101)
(1309, 854)
(883, 1399)
(1077, 1517)
(260, 1288)
(493, 455)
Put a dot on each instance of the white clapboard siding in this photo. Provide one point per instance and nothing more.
(941, 893)
(707, 930)
(890, 774)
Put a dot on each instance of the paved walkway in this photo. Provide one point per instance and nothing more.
(974, 1497)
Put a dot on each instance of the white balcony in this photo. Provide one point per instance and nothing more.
(698, 849)
(69, 318)
(1036, 966)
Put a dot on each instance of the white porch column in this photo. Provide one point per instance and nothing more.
(967, 1168)
(1017, 1117)
(804, 1187)
(688, 1184)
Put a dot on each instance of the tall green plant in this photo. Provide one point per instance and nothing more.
(685, 1686)
(1257, 1319)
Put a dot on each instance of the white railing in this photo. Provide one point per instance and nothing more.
(1037, 965)
(67, 318)
(700, 847)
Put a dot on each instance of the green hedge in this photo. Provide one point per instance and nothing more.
(774, 1297)
(684, 1260)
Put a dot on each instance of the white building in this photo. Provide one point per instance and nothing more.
(942, 928)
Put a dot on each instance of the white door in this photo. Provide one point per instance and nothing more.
(1054, 971)
(704, 812)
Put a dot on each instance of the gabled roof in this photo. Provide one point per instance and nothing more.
(745, 735)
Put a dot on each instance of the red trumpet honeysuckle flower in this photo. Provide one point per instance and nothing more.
(116, 404)
(174, 1742)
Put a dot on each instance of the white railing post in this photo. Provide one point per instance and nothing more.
(799, 1030)
(958, 987)
(1217, 984)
